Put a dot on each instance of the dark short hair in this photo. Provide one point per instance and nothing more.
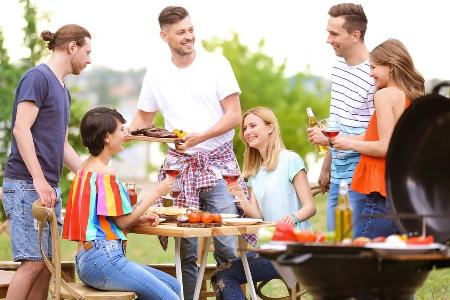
(65, 35)
(95, 125)
(355, 18)
(171, 15)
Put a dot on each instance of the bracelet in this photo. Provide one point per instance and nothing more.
(297, 220)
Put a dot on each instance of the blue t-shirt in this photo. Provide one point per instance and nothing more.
(274, 190)
(41, 86)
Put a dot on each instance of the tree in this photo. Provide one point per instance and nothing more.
(263, 83)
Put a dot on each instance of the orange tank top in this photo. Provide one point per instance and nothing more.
(370, 173)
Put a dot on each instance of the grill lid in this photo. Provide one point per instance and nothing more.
(418, 167)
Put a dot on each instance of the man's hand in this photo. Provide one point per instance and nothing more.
(190, 141)
(325, 173)
(45, 191)
(315, 136)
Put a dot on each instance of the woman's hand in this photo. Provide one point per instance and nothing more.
(237, 191)
(289, 219)
(342, 143)
(164, 187)
(151, 219)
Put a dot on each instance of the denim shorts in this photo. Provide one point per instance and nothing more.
(18, 198)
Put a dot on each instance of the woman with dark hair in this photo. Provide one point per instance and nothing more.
(99, 212)
(398, 84)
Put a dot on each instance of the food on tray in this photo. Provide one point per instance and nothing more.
(182, 219)
(180, 133)
(361, 241)
(419, 240)
(194, 217)
(155, 132)
(168, 211)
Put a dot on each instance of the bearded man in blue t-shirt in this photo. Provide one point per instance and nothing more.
(39, 149)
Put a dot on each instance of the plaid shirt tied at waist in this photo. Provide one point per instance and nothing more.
(197, 175)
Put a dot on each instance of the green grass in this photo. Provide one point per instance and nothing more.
(146, 249)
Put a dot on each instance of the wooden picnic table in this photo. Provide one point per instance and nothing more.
(172, 230)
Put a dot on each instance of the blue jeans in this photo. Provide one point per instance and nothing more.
(228, 278)
(356, 202)
(105, 267)
(18, 198)
(371, 227)
(218, 200)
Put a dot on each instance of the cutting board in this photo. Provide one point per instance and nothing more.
(152, 139)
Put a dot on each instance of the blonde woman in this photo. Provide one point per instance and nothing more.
(279, 192)
(398, 84)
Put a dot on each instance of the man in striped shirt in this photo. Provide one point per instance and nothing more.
(351, 103)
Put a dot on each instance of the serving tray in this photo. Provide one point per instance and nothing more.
(199, 225)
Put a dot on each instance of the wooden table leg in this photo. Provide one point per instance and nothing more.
(248, 274)
(201, 271)
(178, 270)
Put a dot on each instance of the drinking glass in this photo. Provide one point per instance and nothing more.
(175, 189)
(231, 173)
(172, 166)
(330, 128)
(132, 193)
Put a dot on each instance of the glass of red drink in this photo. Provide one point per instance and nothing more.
(172, 166)
(131, 190)
(329, 128)
(231, 173)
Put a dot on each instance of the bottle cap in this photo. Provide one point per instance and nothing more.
(309, 111)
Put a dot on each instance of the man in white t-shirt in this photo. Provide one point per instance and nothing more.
(198, 93)
(351, 103)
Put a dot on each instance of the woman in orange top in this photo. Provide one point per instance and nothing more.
(398, 83)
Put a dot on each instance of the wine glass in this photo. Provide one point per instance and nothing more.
(172, 166)
(330, 128)
(231, 173)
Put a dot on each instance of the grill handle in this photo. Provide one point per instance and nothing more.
(289, 259)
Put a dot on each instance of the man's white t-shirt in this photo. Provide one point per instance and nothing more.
(189, 98)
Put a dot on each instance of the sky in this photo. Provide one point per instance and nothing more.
(126, 33)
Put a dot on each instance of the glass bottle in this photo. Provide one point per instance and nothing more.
(343, 214)
(312, 122)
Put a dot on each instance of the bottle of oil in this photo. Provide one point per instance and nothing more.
(312, 122)
(343, 214)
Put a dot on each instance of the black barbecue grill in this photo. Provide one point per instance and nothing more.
(418, 184)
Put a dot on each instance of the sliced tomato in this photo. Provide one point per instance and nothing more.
(283, 232)
(418, 240)
(304, 236)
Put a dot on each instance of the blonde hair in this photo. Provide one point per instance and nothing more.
(252, 158)
(393, 53)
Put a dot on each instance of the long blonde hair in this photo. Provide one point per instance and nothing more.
(393, 53)
(252, 158)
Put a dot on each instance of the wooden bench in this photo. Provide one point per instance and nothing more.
(67, 266)
(5, 279)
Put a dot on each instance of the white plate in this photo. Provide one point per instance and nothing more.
(386, 248)
(241, 221)
(228, 216)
